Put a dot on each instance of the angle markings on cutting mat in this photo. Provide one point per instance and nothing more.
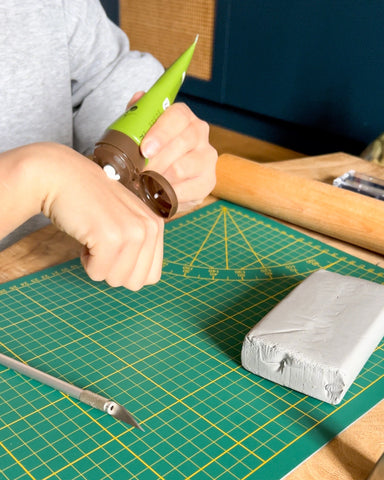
(170, 353)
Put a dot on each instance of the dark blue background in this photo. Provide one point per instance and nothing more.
(306, 74)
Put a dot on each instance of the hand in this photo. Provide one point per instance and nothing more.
(178, 148)
(122, 238)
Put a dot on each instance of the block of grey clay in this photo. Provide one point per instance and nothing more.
(318, 338)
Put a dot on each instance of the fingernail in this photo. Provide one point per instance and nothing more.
(150, 148)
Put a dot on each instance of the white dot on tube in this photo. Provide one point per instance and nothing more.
(111, 172)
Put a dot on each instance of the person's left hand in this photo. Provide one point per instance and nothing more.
(178, 148)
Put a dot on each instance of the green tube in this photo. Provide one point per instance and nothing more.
(118, 151)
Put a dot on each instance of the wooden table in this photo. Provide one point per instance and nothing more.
(352, 454)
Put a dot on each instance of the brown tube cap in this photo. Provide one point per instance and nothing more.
(119, 151)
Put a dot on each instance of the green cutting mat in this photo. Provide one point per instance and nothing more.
(171, 354)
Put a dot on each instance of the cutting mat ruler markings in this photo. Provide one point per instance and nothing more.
(171, 354)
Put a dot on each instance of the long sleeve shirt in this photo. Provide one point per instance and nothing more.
(66, 73)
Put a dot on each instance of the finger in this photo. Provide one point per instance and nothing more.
(169, 160)
(133, 266)
(135, 97)
(110, 233)
(169, 125)
(195, 189)
(147, 269)
(97, 261)
(122, 268)
(157, 263)
(199, 162)
(100, 257)
(199, 166)
(189, 193)
(171, 153)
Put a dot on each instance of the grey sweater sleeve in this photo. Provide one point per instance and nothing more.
(105, 73)
(65, 41)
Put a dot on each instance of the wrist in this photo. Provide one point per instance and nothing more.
(20, 194)
(33, 170)
(47, 169)
(32, 175)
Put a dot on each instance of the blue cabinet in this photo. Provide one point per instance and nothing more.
(307, 74)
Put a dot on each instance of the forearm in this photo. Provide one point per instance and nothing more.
(32, 178)
(21, 191)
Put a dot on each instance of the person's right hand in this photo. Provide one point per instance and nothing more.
(122, 238)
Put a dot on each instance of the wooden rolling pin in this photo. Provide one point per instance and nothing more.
(317, 206)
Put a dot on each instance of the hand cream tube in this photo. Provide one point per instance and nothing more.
(118, 151)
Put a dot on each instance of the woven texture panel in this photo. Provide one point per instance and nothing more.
(167, 28)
